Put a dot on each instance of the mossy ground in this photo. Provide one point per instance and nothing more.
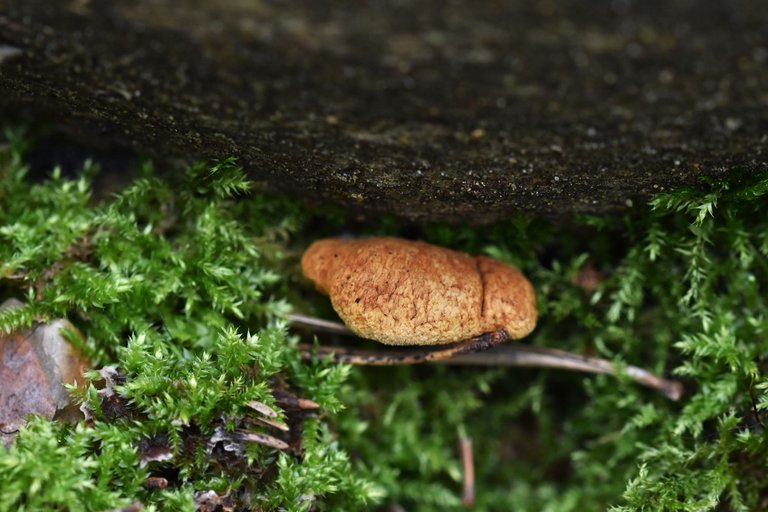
(184, 284)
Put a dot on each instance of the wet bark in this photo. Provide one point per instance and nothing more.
(431, 110)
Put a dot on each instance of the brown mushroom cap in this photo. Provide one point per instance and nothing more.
(402, 292)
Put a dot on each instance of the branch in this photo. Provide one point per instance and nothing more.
(480, 351)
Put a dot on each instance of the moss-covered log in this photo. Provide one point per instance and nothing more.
(467, 110)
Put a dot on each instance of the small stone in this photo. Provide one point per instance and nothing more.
(477, 133)
(210, 501)
(34, 367)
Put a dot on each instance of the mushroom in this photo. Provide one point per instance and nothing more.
(402, 292)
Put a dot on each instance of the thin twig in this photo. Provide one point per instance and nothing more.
(468, 466)
(287, 400)
(272, 423)
(319, 324)
(265, 439)
(521, 355)
(474, 352)
(400, 357)
(262, 409)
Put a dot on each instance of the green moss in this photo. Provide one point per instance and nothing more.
(183, 286)
(166, 282)
(682, 293)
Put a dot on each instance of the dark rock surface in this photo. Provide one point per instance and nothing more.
(455, 110)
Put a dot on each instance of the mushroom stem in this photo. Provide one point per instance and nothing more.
(473, 352)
